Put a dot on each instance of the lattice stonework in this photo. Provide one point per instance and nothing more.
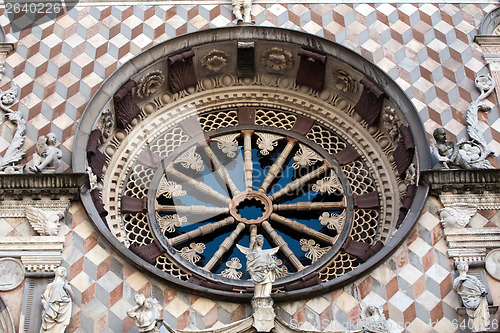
(230, 156)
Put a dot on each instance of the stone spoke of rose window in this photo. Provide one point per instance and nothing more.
(247, 158)
(224, 247)
(203, 230)
(303, 229)
(277, 165)
(284, 248)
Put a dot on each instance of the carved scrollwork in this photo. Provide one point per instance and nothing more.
(305, 156)
(228, 144)
(149, 84)
(215, 60)
(106, 124)
(191, 160)
(192, 252)
(231, 272)
(266, 142)
(277, 60)
(344, 81)
(170, 189)
(168, 223)
(328, 185)
(313, 251)
(332, 220)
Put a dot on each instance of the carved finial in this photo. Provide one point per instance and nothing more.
(47, 157)
(57, 303)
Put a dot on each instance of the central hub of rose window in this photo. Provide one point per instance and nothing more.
(250, 207)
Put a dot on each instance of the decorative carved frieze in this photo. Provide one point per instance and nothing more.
(37, 254)
(478, 181)
(473, 237)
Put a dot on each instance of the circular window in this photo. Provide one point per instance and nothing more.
(321, 156)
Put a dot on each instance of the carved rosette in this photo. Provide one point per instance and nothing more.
(106, 123)
(149, 84)
(277, 60)
(345, 82)
(215, 61)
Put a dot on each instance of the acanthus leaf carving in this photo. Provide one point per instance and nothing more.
(313, 251)
(149, 84)
(231, 272)
(328, 185)
(168, 223)
(170, 189)
(267, 142)
(228, 144)
(191, 160)
(192, 252)
(305, 156)
(333, 221)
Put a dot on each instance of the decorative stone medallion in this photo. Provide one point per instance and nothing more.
(11, 273)
(493, 263)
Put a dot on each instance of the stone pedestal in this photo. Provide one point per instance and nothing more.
(263, 314)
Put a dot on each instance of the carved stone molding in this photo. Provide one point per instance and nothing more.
(460, 238)
(35, 186)
(462, 181)
(16, 208)
(481, 201)
(38, 254)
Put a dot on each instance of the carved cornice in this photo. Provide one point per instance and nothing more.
(461, 181)
(461, 238)
(25, 186)
(485, 40)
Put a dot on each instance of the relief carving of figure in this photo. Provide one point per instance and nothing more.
(241, 10)
(47, 157)
(146, 314)
(473, 295)
(57, 303)
(261, 266)
(447, 152)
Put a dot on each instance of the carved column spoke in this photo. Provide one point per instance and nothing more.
(299, 227)
(205, 229)
(278, 164)
(247, 163)
(224, 247)
(220, 170)
(279, 241)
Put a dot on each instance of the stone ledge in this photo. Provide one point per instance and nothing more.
(461, 181)
(36, 186)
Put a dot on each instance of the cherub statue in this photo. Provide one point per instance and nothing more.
(57, 303)
(261, 266)
(46, 223)
(146, 314)
(47, 157)
(473, 295)
(457, 215)
(241, 10)
(447, 152)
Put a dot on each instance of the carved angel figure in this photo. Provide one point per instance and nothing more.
(457, 215)
(261, 266)
(146, 314)
(473, 295)
(47, 157)
(46, 223)
(57, 303)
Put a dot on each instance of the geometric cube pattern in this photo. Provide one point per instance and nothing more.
(427, 49)
(413, 288)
